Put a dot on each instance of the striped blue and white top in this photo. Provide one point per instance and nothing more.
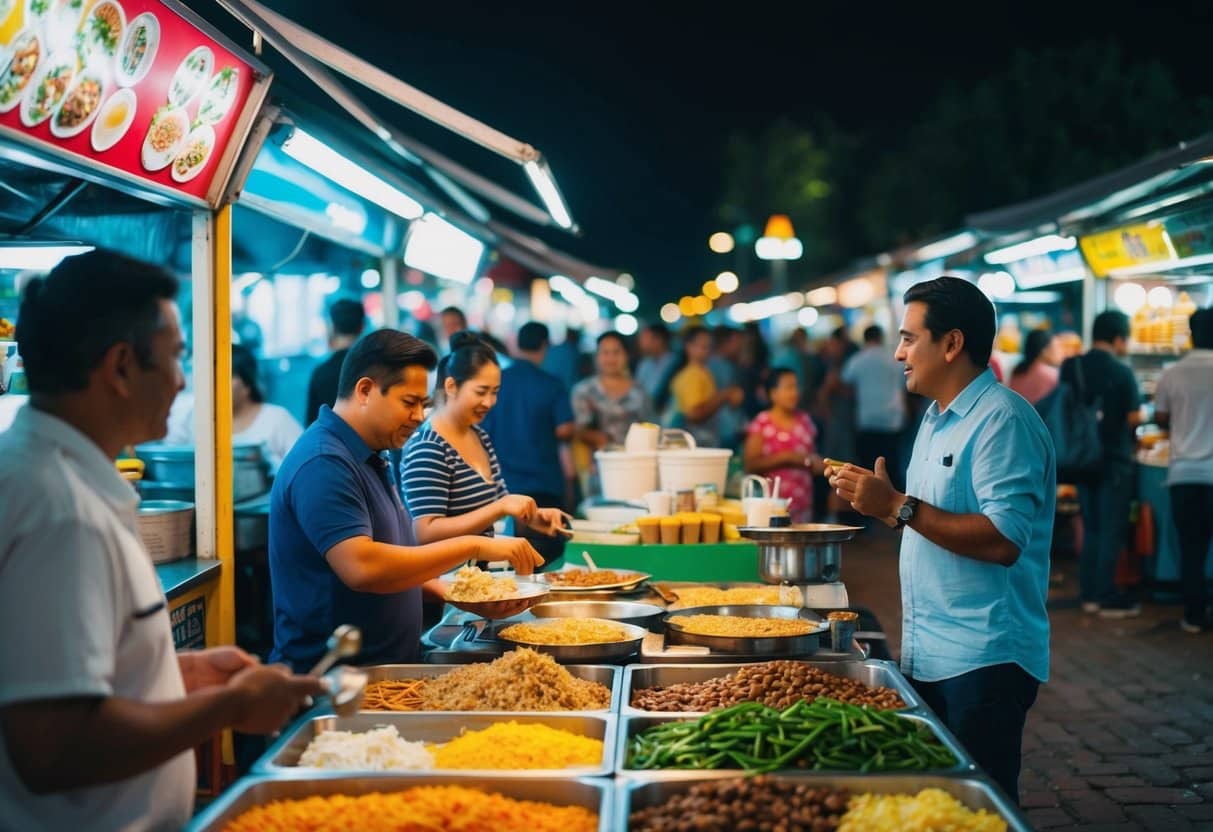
(436, 480)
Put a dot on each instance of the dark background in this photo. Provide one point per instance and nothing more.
(633, 103)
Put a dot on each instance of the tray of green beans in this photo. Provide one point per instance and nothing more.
(824, 735)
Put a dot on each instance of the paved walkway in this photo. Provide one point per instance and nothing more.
(1121, 738)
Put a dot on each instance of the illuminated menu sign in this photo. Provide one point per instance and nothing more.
(135, 87)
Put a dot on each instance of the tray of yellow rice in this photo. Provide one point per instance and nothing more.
(747, 629)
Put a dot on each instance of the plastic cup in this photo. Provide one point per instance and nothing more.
(671, 530)
(660, 503)
(691, 525)
(650, 529)
(711, 528)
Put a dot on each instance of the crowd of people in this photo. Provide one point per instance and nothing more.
(98, 713)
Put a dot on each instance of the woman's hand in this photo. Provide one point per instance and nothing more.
(550, 521)
(518, 506)
(518, 551)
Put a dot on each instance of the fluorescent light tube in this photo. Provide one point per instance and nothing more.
(308, 150)
(37, 257)
(545, 185)
(1031, 248)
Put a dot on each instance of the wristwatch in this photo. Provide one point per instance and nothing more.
(906, 513)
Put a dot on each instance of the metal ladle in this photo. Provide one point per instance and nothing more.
(347, 684)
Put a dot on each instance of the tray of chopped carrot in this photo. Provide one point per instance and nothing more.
(381, 803)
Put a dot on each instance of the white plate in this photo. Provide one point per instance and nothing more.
(220, 95)
(206, 135)
(90, 38)
(64, 65)
(154, 159)
(89, 75)
(105, 135)
(128, 76)
(21, 42)
(61, 22)
(191, 76)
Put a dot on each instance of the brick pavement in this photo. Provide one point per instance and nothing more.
(1121, 738)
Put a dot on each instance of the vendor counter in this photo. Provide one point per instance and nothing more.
(1152, 489)
(191, 587)
(698, 562)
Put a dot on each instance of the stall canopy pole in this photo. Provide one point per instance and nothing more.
(201, 259)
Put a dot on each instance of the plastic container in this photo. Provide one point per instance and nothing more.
(625, 475)
(167, 529)
(691, 467)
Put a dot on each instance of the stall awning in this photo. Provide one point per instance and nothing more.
(1101, 195)
(314, 56)
(542, 258)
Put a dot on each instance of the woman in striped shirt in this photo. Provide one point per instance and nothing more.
(450, 476)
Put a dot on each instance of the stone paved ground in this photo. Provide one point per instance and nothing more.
(1121, 738)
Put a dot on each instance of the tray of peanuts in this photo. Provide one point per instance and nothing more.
(378, 803)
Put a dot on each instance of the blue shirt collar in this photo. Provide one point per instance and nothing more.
(333, 423)
(963, 403)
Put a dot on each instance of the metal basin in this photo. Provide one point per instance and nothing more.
(800, 645)
(175, 463)
(803, 554)
(627, 612)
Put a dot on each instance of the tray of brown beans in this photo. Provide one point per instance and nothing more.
(698, 688)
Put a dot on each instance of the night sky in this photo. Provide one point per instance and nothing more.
(631, 102)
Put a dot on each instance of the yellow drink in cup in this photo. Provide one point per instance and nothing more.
(671, 529)
(650, 529)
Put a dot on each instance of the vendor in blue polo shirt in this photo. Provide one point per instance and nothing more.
(978, 522)
(341, 547)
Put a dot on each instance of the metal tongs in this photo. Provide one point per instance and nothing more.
(346, 684)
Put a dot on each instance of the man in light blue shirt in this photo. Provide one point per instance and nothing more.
(978, 522)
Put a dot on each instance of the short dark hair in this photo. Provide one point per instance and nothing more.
(873, 335)
(69, 319)
(382, 356)
(534, 336)
(1110, 325)
(244, 367)
(1201, 324)
(659, 331)
(609, 334)
(455, 310)
(469, 352)
(775, 376)
(953, 303)
(692, 332)
(347, 316)
(1038, 341)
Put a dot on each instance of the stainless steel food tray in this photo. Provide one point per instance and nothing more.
(974, 792)
(595, 795)
(281, 760)
(629, 726)
(764, 646)
(611, 677)
(875, 673)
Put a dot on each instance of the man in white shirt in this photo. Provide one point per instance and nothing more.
(98, 714)
(876, 377)
(1183, 400)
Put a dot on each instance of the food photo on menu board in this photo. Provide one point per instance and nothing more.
(128, 83)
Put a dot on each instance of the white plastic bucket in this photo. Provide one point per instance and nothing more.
(687, 468)
(627, 476)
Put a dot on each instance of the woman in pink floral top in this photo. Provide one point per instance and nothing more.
(780, 442)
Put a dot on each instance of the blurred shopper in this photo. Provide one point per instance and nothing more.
(835, 409)
(696, 398)
(796, 356)
(99, 715)
(977, 520)
(657, 363)
(754, 362)
(452, 479)
(564, 360)
(780, 443)
(606, 404)
(347, 320)
(1035, 376)
(254, 420)
(877, 379)
(725, 367)
(342, 549)
(452, 320)
(1183, 401)
(1100, 375)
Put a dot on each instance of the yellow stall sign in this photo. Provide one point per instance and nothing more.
(1130, 245)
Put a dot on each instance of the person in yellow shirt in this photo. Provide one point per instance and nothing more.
(696, 399)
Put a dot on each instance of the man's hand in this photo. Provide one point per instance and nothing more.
(213, 667)
(518, 551)
(518, 506)
(550, 521)
(271, 695)
(871, 493)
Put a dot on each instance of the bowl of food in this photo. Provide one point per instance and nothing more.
(576, 639)
(575, 579)
(479, 593)
(747, 629)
